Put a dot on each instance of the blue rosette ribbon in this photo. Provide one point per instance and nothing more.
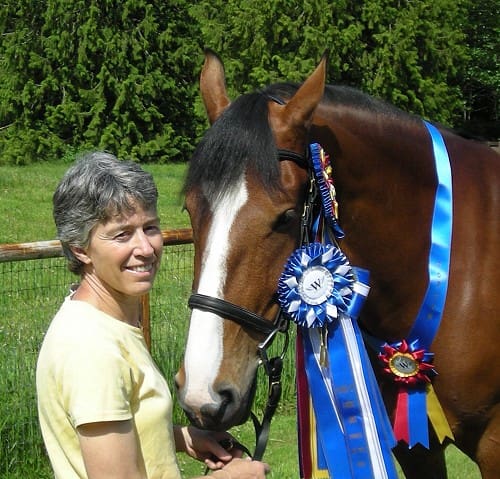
(348, 432)
(323, 173)
(316, 285)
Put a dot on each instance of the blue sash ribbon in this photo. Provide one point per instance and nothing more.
(420, 401)
(429, 317)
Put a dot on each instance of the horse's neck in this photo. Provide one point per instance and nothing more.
(385, 158)
(385, 184)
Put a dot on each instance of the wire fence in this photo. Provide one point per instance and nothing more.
(34, 280)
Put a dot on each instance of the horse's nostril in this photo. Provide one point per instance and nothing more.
(225, 399)
(213, 414)
(227, 396)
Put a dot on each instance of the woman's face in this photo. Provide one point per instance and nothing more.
(124, 253)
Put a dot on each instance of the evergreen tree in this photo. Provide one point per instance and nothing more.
(122, 75)
(21, 73)
(112, 74)
(481, 83)
(414, 54)
(407, 52)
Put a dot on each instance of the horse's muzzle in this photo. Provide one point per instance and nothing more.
(228, 407)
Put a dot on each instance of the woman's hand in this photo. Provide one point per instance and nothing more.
(242, 469)
(206, 446)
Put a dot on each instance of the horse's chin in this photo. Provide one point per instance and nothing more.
(218, 424)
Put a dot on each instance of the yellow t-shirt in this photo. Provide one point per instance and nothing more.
(91, 368)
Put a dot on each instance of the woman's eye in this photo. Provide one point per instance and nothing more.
(153, 229)
(122, 236)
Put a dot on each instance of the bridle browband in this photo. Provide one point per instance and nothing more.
(258, 324)
(298, 159)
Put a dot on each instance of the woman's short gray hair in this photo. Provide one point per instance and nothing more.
(96, 188)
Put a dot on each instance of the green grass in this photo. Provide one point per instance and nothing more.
(31, 291)
(26, 199)
(282, 455)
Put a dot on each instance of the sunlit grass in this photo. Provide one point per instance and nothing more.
(26, 199)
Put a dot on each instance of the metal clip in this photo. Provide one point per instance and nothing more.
(323, 350)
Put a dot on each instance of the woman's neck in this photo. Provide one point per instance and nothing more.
(117, 305)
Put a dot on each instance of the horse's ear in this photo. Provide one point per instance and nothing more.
(213, 86)
(300, 109)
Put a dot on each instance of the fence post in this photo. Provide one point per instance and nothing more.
(146, 320)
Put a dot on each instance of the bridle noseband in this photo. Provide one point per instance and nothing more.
(258, 324)
(239, 315)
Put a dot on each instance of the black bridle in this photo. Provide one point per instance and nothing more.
(253, 322)
(272, 366)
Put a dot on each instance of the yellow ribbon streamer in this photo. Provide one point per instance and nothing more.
(437, 417)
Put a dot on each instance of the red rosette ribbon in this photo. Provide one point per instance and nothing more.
(406, 364)
(411, 368)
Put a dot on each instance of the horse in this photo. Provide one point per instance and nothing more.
(245, 203)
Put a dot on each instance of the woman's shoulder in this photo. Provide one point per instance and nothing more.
(75, 323)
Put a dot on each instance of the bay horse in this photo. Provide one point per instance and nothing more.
(245, 206)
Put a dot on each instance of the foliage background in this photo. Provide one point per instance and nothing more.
(111, 74)
(121, 75)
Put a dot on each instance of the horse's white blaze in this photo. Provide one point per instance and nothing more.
(203, 353)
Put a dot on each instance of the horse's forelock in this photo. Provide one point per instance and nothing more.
(240, 139)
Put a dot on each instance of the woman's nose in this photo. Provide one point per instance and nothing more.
(143, 244)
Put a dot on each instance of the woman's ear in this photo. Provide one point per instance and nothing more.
(80, 254)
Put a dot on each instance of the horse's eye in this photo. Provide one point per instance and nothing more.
(285, 218)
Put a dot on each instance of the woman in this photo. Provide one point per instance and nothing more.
(105, 409)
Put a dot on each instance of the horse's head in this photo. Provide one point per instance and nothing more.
(245, 207)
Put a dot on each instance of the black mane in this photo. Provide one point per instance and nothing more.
(341, 95)
(240, 139)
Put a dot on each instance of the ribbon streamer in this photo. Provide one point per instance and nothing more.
(350, 431)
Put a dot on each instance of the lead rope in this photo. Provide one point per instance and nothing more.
(274, 394)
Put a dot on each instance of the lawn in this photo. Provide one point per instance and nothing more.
(25, 216)
(26, 199)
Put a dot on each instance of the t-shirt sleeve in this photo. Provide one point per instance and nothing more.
(96, 382)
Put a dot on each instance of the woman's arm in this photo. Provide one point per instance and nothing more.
(110, 450)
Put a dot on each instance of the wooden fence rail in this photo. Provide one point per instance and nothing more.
(53, 249)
